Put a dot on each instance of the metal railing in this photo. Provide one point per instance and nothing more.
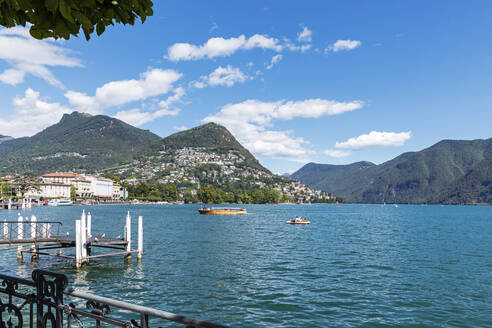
(40, 302)
(28, 231)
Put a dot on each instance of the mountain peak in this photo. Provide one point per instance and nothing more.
(212, 136)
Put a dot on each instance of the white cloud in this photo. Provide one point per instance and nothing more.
(28, 55)
(376, 139)
(293, 47)
(214, 27)
(305, 35)
(12, 76)
(251, 121)
(153, 82)
(343, 45)
(220, 47)
(138, 116)
(336, 153)
(275, 60)
(224, 76)
(180, 128)
(31, 114)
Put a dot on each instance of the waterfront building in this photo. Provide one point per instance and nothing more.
(101, 187)
(49, 190)
(83, 187)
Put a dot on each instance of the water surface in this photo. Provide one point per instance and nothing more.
(354, 266)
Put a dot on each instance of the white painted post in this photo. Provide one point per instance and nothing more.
(83, 231)
(5, 230)
(10, 204)
(48, 230)
(33, 236)
(33, 227)
(140, 238)
(78, 244)
(128, 235)
(20, 235)
(89, 225)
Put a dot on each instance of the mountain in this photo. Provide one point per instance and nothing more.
(451, 171)
(325, 176)
(79, 141)
(213, 137)
(5, 138)
(207, 154)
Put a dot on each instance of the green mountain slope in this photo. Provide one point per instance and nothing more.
(447, 172)
(78, 142)
(213, 137)
(5, 138)
(321, 175)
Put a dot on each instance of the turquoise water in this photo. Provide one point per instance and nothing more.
(354, 266)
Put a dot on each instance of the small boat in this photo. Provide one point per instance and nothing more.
(298, 220)
(60, 202)
(222, 211)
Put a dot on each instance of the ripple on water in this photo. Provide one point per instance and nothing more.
(355, 266)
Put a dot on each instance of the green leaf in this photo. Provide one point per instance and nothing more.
(100, 28)
(35, 33)
(86, 22)
(51, 5)
(66, 10)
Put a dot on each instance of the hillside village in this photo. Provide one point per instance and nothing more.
(193, 167)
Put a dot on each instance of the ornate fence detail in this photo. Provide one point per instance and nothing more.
(39, 303)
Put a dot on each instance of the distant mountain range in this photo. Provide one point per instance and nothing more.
(5, 138)
(79, 141)
(207, 154)
(449, 172)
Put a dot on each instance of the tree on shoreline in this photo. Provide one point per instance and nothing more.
(64, 18)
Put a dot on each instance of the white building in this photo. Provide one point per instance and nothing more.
(50, 190)
(101, 187)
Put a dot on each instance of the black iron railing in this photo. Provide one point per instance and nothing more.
(39, 303)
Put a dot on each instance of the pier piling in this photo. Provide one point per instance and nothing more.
(140, 238)
(128, 236)
(78, 244)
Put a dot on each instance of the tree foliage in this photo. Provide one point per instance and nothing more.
(64, 18)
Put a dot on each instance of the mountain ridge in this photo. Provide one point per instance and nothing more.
(446, 172)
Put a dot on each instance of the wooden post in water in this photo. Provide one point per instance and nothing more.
(140, 238)
(78, 244)
(20, 235)
(5, 230)
(89, 225)
(83, 230)
(34, 256)
(128, 236)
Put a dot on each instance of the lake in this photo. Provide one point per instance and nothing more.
(355, 265)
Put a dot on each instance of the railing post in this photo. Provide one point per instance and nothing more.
(20, 235)
(140, 238)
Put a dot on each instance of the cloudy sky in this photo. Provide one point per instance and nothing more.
(324, 81)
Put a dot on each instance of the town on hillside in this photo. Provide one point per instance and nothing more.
(175, 187)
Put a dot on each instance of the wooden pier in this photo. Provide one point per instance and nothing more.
(46, 236)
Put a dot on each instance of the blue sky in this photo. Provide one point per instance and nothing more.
(324, 81)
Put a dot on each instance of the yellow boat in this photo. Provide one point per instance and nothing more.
(222, 211)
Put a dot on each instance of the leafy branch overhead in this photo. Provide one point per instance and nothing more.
(63, 18)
